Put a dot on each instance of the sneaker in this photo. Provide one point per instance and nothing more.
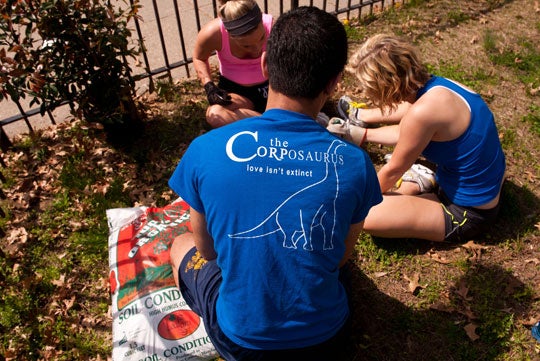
(387, 157)
(421, 175)
(350, 110)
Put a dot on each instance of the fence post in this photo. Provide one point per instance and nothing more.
(294, 4)
(5, 143)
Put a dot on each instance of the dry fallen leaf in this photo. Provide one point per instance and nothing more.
(470, 329)
(475, 248)
(471, 245)
(467, 312)
(59, 282)
(462, 291)
(414, 282)
(68, 303)
(443, 307)
(438, 258)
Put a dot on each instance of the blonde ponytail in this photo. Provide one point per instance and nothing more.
(234, 9)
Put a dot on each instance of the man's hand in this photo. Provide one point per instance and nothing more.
(216, 95)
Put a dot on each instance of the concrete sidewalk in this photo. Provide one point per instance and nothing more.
(159, 53)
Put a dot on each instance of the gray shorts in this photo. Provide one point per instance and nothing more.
(463, 223)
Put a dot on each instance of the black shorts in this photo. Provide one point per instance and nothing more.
(258, 94)
(199, 283)
(463, 223)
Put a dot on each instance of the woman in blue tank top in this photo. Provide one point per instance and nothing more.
(442, 120)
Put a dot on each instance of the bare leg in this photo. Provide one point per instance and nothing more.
(179, 248)
(408, 188)
(404, 216)
(219, 115)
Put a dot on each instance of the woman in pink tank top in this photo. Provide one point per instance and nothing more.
(238, 36)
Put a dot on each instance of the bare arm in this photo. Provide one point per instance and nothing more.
(350, 241)
(416, 130)
(202, 239)
(375, 115)
(208, 41)
(387, 135)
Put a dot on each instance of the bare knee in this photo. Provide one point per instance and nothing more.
(179, 248)
(217, 116)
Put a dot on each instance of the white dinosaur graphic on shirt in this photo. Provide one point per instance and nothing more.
(307, 223)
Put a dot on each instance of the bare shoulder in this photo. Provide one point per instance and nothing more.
(209, 37)
(211, 28)
(439, 103)
(442, 111)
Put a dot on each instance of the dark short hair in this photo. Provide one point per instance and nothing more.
(306, 49)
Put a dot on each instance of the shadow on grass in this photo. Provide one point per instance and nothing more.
(520, 211)
(162, 133)
(385, 329)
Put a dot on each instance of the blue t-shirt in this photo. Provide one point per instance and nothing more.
(470, 168)
(279, 194)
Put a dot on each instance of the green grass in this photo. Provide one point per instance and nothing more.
(523, 57)
(476, 79)
(533, 118)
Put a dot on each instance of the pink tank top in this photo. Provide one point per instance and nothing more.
(241, 71)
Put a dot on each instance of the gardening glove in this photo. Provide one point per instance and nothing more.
(216, 95)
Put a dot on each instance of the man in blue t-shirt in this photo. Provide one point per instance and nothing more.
(276, 204)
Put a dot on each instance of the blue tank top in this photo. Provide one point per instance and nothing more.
(279, 193)
(470, 168)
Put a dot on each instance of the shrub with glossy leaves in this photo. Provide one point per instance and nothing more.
(73, 51)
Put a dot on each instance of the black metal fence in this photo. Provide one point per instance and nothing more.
(167, 31)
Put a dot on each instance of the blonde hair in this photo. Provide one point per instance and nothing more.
(389, 70)
(234, 9)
